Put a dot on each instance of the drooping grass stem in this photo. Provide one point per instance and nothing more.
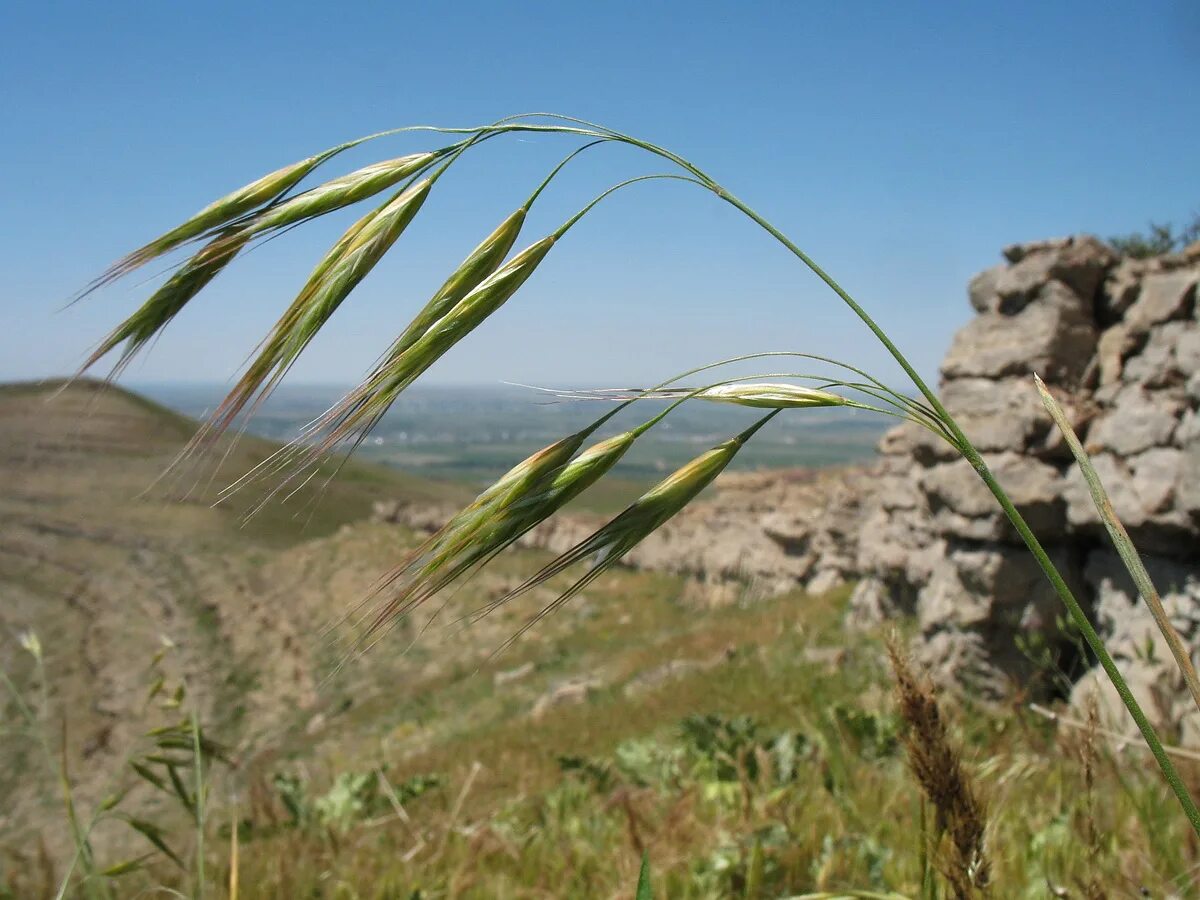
(975, 459)
(972, 456)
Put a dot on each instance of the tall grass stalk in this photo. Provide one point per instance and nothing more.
(1122, 542)
(424, 352)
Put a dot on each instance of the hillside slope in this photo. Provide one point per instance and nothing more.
(102, 569)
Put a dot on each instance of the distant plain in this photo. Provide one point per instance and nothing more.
(474, 434)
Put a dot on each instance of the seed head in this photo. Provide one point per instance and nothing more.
(768, 395)
(358, 412)
(168, 300)
(335, 276)
(481, 263)
(645, 515)
(29, 642)
(344, 191)
(448, 552)
(521, 500)
(220, 213)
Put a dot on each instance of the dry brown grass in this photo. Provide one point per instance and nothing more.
(936, 763)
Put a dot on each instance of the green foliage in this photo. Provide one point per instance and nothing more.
(1157, 239)
(643, 886)
(730, 791)
(159, 760)
(353, 798)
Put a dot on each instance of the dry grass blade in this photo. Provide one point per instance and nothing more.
(938, 768)
(1123, 543)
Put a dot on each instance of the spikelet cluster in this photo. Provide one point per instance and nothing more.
(520, 501)
(154, 315)
(221, 213)
(355, 415)
(343, 191)
(770, 395)
(612, 541)
(164, 304)
(346, 264)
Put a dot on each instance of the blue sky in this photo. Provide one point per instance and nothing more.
(901, 144)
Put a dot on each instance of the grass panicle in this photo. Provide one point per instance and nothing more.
(485, 298)
(345, 420)
(520, 501)
(937, 766)
(479, 264)
(438, 559)
(360, 409)
(356, 414)
(195, 274)
(466, 315)
(471, 539)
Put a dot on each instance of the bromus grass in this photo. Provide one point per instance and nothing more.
(471, 295)
(642, 517)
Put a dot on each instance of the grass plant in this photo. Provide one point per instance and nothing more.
(468, 298)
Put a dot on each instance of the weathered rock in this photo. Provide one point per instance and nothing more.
(1164, 296)
(1052, 336)
(981, 290)
(508, 676)
(1116, 345)
(1119, 343)
(1142, 490)
(1035, 487)
(1015, 253)
(1079, 263)
(996, 415)
(1120, 289)
(1168, 354)
(1187, 486)
(1138, 646)
(570, 693)
(1138, 420)
(911, 440)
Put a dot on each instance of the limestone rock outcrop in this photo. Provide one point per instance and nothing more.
(1118, 341)
(763, 533)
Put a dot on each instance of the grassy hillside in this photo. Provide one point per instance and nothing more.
(751, 751)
